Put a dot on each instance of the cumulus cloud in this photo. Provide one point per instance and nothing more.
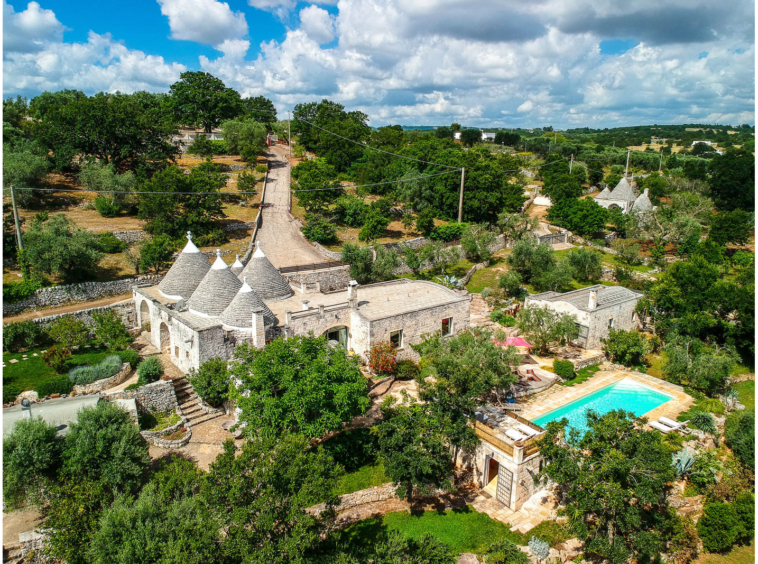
(206, 21)
(28, 31)
(317, 23)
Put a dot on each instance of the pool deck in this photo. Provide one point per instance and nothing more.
(558, 396)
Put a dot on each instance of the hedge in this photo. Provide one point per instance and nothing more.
(57, 385)
(564, 369)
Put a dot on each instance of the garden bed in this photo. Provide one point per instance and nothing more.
(169, 430)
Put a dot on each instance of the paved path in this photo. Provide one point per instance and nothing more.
(280, 235)
(67, 309)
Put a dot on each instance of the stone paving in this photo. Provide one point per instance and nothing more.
(538, 508)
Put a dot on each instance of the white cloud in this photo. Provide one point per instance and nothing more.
(317, 23)
(206, 21)
(525, 107)
(28, 31)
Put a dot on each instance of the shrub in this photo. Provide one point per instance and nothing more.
(374, 227)
(110, 330)
(719, 527)
(156, 253)
(740, 436)
(407, 370)
(133, 386)
(505, 552)
(57, 385)
(150, 369)
(383, 359)
(353, 449)
(110, 244)
(704, 421)
(22, 335)
(744, 508)
(564, 369)
(539, 548)
(449, 232)
(82, 375)
(261, 168)
(213, 238)
(107, 207)
(19, 291)
(130, 356)
(425, 222)
(211, 382)
(10, 392)
(704, 469)
(626, 347)
(56, 358)
(68, 331)
(319, 230)
(510, 282)
(248, 154)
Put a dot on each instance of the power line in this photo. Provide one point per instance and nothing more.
(341, 186)
(135, 192)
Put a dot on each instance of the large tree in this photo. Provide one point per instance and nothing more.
(614, 482)
(300, 384)
(543, 327)
(732, 227)
(201, 99)
(733, 180)
(261, 109)
(128, 130)
(243, 133)
(173, 202)
(316, 185)
(582, 216)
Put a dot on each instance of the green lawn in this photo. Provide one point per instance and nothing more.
(738, 555)
(746, 393)
(28, 374)
(365, 477)
(582, 376)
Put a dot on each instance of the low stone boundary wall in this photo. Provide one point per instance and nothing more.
(361, 497)
(124, 310)
(328, 279)
(158, 396)
(466, 279)
(33, 547)
(240, 226)
(130, 237)
(84, 292)
(165, 443)
(157, 437)
(585, 362)
(333, 255)
(105, 383)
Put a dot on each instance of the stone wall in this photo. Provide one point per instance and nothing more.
(624, 319)
(332, 255)
(84, 292)
(125, 310)
(240, 226)
(361, 497)
(105, 383)
(130, 237)
(158, 396)
(33, 547)
(329, 279)
(580, 363)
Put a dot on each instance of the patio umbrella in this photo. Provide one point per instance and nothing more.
(516, 342)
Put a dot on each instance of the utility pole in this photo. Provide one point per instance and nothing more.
(15, 219)
(628, 152)
(460, 202)
(289, 132)
(571, 163)
(660, 164)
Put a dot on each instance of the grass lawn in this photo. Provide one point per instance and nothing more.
(28, 374)
(365, 477)
(738, 555)
(746, 393)
(582, 376)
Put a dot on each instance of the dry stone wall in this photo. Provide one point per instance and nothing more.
(361, 497)
(124, 310)
(329, 279)
(84, 292)
(105, 383)
(130, 237)
(159, 397)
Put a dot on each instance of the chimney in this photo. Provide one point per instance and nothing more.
(593, 300)
(646, 193)
(305, 305)
(352, 290)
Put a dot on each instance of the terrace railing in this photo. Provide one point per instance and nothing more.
(314, 266)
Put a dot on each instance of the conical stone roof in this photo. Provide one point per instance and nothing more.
(623, 191)
(186, 273)
(215, 291)
(264, 278)
(239, 313)
(604, 194)
(237, 267)
(642, 203)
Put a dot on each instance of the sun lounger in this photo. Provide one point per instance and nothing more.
(515, 435)
(671, 423)
(662, 428)
(528, 431)
(512, 407)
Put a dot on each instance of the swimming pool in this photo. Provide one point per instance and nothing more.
(625, 394)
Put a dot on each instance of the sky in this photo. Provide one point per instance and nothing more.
(504, 63)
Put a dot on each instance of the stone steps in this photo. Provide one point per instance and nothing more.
(12, 554)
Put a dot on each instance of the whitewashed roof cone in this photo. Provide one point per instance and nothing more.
(237, 267)
(604, 194)
(239, 313)
(266, 280)
(623, 191)
(642, 203)
(186, 273)
(216, 291)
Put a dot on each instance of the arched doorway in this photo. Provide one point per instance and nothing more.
(165, 337)
(338, 334)
(144, 316)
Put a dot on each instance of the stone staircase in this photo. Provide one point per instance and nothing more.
(12, 553)
(189, 403)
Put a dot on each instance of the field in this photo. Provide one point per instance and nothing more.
(365, 477)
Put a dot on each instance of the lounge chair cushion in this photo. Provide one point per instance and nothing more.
(671, 422)
(661, 428)
(528, 431)
(515, 435)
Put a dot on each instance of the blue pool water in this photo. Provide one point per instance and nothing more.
(625, 394)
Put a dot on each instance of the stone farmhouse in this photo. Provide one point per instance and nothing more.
(201, 311)
(597, 309)
(622, 197)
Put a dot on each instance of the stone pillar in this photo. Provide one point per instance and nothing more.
(305, 305)
(321, 310)
(259, 331)
(287, 317)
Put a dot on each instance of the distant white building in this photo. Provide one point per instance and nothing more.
(709, 143)
(488, 136)
(457, 135)
(622, 197)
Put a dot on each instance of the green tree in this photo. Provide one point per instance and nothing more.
(529, 258)
(511, 283)
(68, 331)
(731, 227)
(556, 278)
(104, 445)
(242, 133)
(156, 253)
(31, 458)
(24, 166)
(583, 217)
(104, 178)
(470, 136)
(425, 222)
(47, 101)
(260, 109)
(211, 382)
(586, 264)
(319, 229)
(58, 247)
(614, 481)
(689, 361)
(201, 99)
(413, 448)
(110, 330)
(374, 227)
(541, 327)
(733, 180)
(719, 527)
(740, 436)
(173, 202)
(258, 496)
(515, 227)
(626, 347)
(298, 385)
(476, 241)
(562, 186)
(627, 250)
(361, 261)
(315, 185)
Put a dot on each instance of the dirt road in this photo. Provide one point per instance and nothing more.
(280, 235)
(67, 309)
